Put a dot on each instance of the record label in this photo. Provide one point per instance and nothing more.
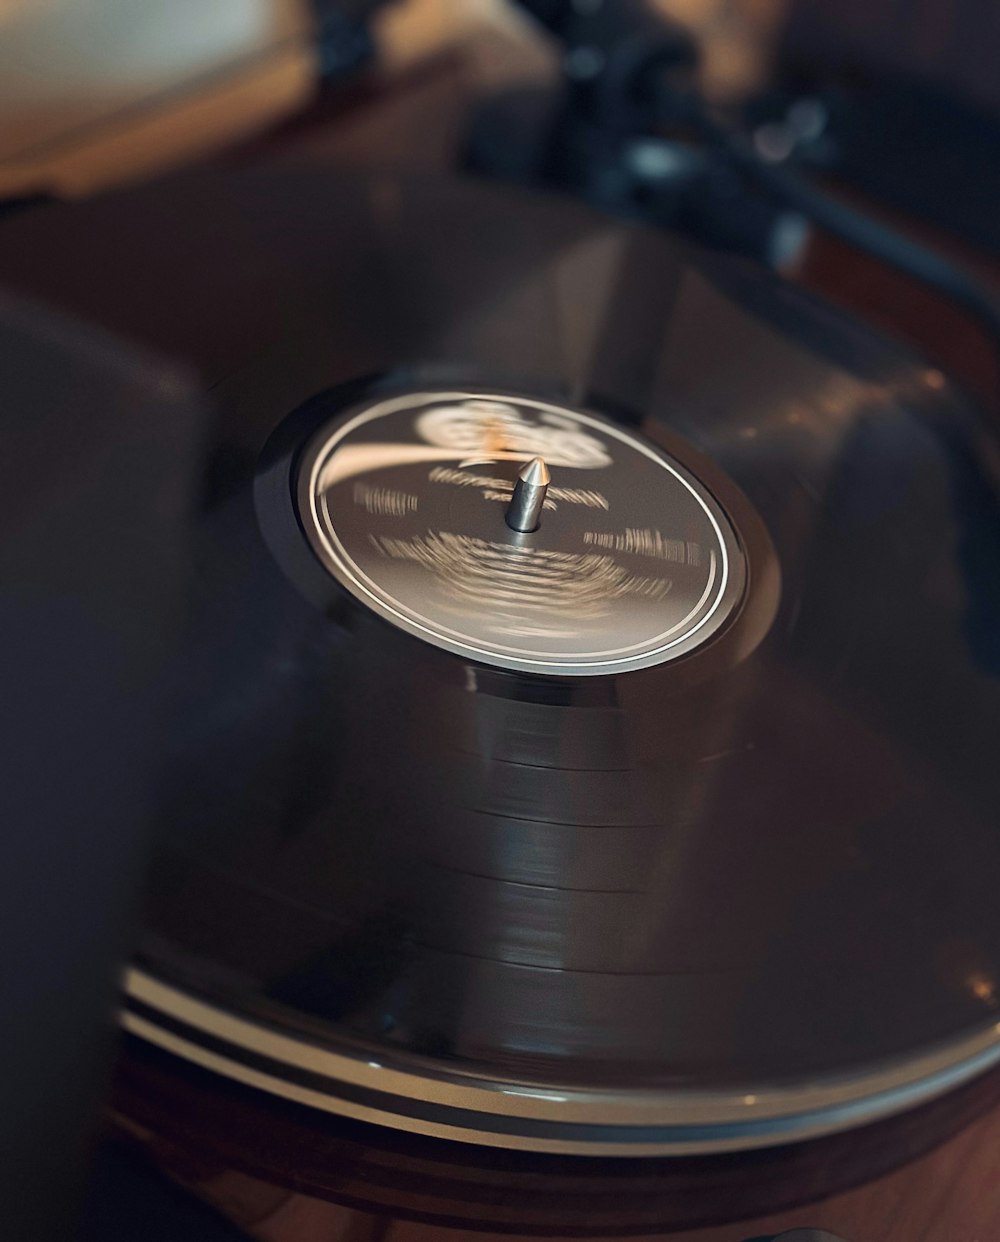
(632, 562)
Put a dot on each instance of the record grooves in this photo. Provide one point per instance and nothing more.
(666, 827)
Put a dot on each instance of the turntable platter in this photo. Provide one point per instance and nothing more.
(430, 859)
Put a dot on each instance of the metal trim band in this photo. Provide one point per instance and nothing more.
(535, 1117)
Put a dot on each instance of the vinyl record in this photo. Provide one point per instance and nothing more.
(667, 827)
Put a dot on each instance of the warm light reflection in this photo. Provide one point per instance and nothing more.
(983, 989)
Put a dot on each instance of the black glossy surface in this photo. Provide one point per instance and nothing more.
(748, 867)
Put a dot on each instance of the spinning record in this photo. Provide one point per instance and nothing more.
(585, 725)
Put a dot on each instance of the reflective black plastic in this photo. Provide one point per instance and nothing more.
(771, 861)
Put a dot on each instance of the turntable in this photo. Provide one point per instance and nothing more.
(577, 813)
(580, 801)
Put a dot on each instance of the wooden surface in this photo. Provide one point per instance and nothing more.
(950, 1195)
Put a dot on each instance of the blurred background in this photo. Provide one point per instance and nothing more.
(109, 90)
(894, 105)
(97, 93)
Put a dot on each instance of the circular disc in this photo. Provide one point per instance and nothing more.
(737, 895)
(632, 563)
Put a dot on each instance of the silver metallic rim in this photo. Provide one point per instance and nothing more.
(536, 1117)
